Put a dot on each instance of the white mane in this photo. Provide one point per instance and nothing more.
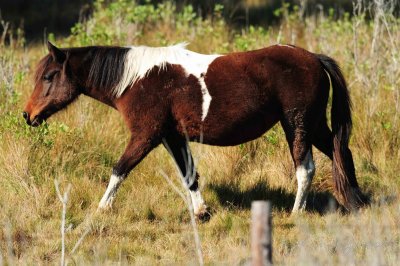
(141, 59)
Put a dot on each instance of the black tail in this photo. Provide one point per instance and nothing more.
(345, 182)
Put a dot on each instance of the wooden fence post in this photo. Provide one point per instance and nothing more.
(261, 233)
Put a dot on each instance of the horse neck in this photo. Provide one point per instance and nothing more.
(100, 96)
(80, 62)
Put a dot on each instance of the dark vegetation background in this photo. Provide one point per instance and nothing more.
(40, 17)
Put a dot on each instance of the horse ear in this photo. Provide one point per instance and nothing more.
(57, 55)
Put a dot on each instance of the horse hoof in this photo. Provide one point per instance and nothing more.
(203, 214)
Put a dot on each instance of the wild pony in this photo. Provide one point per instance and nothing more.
(171, 95)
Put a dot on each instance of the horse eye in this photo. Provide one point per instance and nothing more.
(49, 77)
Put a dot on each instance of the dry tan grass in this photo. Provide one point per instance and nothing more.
(149, 223)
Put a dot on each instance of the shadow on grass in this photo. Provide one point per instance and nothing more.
(229, 195)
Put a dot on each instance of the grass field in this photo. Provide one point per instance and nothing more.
(149, 223)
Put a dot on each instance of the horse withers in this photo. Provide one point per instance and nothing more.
(171, 95)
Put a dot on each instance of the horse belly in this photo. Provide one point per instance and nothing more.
(242, 107)
(230, 132)
(224, 127)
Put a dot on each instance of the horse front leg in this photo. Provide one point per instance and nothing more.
(179, 149)
(138, 147)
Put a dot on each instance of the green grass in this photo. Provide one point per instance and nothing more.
(149, 223)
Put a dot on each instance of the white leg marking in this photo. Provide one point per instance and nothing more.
(197, 202)
(109, 195)
(206, 98)
(304, 175)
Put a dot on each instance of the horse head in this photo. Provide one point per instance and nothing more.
(55, 87)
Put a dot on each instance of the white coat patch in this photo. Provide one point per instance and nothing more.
(140, 60)
(286, 45)
(206, 98)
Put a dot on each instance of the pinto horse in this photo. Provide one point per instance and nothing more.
(171, 95)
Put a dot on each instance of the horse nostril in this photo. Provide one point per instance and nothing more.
(25, 115)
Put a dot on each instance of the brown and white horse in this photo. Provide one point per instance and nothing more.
(171, 95)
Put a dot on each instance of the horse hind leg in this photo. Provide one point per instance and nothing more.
(300, 149)
(322, 139)
(305, 170)
(178, 148)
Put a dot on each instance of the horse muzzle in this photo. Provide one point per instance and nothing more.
(36, 121)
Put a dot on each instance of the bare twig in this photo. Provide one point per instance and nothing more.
(190, 165)
(64, 200)
(7, 233)
(77, 244)
(185, 195)
(186, 198)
